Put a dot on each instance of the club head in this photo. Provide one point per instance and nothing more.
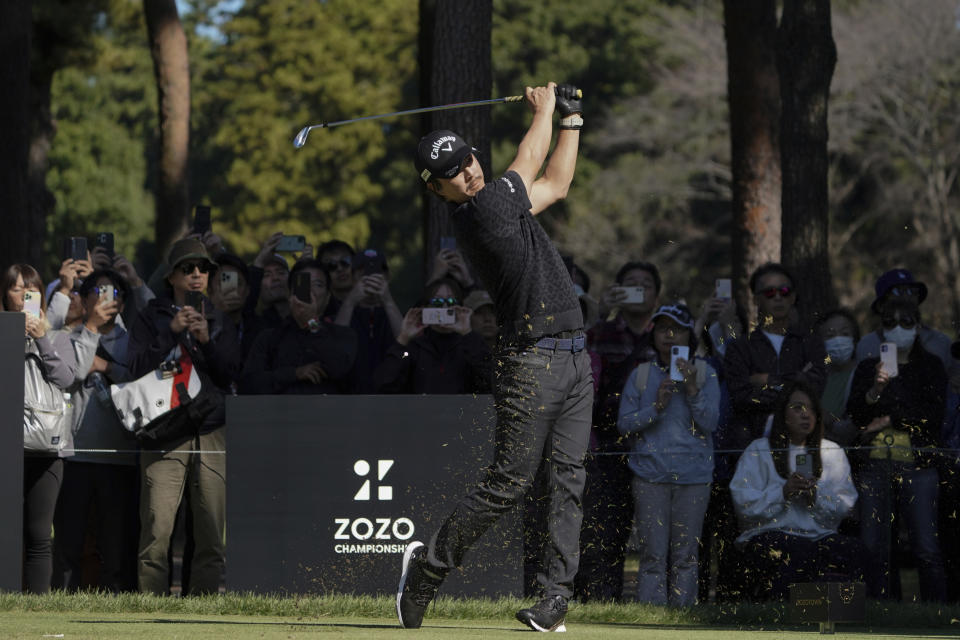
(301, 138)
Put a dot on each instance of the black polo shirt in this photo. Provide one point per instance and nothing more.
(516, 262)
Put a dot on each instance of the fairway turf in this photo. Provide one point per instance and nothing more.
(82, 626)
(253, 617)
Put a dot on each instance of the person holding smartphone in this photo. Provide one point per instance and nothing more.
(437, 350)
(900, 419)
(306, 354)
(670, 424)
(49, 368)
(103, 479)
(183, 325)
(370, 310)
(789, 515)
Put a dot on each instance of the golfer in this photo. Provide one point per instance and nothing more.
(543, 390)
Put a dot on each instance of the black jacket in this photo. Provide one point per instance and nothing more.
(915, 400)
(802, 358)
(272, 363)
(151, 341)
(436, 363)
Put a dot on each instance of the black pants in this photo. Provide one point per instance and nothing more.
(111, 492)
(607, 518)
(544, 401)
(779, 559)
(42, 477)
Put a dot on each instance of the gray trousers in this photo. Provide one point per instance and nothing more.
(544, 403)
(669, 520)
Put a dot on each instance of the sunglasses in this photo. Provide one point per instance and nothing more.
(333, 265)
(444, 302)
(910, 290)
(466, 162)
(907, 322)
(770, 292)
(186, 268)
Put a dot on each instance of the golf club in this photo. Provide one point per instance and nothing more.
(301, 138)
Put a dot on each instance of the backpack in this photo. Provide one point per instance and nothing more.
(46, 420)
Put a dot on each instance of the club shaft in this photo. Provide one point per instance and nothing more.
(443, 107)
(301, 138)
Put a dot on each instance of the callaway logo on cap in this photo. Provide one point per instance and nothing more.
(440, 153)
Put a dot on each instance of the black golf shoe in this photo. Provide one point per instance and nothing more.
(546, 615)
(418, 586)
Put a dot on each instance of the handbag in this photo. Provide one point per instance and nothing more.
(168, 403)
(46, 418)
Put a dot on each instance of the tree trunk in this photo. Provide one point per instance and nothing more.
(168, 46)
(15, 34)
(754, 98)
(455, 66)
(806, 57)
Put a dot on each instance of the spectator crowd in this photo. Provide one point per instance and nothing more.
(735, 453)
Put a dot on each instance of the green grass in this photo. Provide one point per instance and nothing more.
(249, 617)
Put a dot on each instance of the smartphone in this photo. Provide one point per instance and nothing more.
(194, 299)
(229, 281)
(634, 295)
(724, 289)
(439, 315)
(201, 219)
(31, 303)
(108, 293)
(75, 249)
(372, 268)
(448, 242)
(888, 358)
(104, 239)
(677, 353)
(805, 464)
(291, 243)
(301, 286)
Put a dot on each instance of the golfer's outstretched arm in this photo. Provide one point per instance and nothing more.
(556, 179)
(536, 142)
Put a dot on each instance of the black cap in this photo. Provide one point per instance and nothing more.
(440, 153)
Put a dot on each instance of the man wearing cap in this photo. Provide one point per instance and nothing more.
(899, 284)
(170, 329)
(543, 390)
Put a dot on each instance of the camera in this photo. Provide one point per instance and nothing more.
(194, 299)
(888, 358)
(441, 315)
(104, 239)
(108, 292)
(677, 353)
(301, 286)
(201, 219)
(634, 295)
(228, 281)
(292, 243)
(75, 249)
(31, 303)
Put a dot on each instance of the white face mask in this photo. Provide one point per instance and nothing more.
(903, 338)
(839, 348)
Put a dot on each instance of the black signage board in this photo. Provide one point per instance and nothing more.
(11, 449)
(324, 492)
(827, 602)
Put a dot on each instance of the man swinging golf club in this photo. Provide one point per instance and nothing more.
(543, 391)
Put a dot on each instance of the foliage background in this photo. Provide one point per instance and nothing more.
(653, 180)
